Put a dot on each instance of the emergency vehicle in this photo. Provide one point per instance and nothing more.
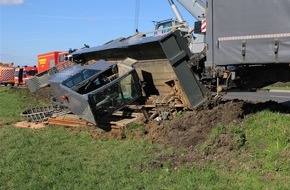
(24, 73)
(48, 60)
(6, 74)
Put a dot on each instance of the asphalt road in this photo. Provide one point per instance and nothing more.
(282, 97)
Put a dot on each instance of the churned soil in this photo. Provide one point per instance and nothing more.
(194, 127)
(191, 130)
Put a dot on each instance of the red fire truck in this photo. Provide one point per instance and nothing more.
(50, 59)
(24, 73)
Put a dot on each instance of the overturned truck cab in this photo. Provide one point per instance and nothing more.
(95, 91)
(154, 71)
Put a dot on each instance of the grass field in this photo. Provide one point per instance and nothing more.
(284, 86)
(60, 158)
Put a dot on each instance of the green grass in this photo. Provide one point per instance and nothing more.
(263, 155)
(13, 102)
(279, 86)
(54, 158)
(58, 158)
(269, 135)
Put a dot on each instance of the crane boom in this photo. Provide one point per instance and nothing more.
(176, 11)
(196, 8)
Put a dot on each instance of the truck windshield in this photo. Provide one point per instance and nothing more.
(163, 26)
(16, 73)
(79, 77)
(31, 73)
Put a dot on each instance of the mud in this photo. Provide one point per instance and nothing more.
(192, 130)
(188, 134)
(117, 134)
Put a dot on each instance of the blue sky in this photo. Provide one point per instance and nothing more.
(31, 27)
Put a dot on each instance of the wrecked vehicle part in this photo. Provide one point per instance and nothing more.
(41, 80)
(94, 92)
(162, 61)
(138, 47)
(43, 113)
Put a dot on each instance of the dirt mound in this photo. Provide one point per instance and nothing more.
(117, 134)
(194, 128)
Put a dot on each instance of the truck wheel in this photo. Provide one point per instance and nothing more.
(5, 84)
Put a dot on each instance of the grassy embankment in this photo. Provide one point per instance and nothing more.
(284, 86)
(58, 158)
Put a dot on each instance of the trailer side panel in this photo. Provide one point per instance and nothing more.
(248, 32)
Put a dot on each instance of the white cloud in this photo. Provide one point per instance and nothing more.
(11, 2)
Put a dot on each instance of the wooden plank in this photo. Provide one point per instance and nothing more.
(156, 75)
(68, 122)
